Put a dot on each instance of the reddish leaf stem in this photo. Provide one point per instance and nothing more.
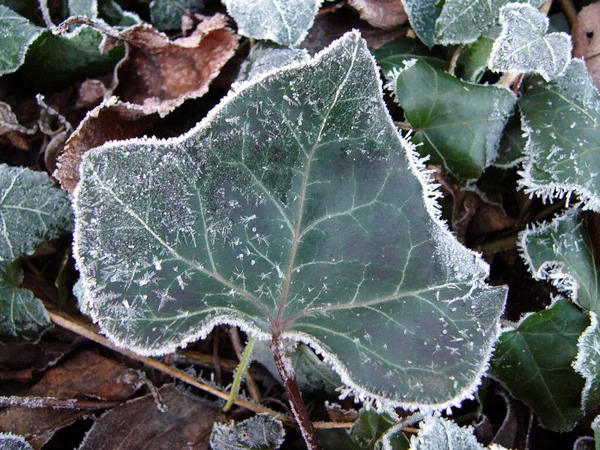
(284, 366)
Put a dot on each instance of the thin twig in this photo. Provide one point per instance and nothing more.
(215, 357)
(569, 10)
(234, 335)
(81, 329)
(81, 20)
(332, 425)
(245, 361)
(454, 59)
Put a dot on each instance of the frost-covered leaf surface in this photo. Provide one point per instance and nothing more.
(588, 363)
(463, 21)
(285, 22)
(32, 210)
(16, 35)
(561, 119)
(562, 253)
(458, 123)
(261, 432)
(265, 57)
(22, 315)
(523, 46)
(296, 210)
(9, 441)
(534, 361)
(394, 54)
(422, 15)
(167, 14)
(108, 10)
(438, 433)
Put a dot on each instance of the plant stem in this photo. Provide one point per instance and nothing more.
(281, 352)
(234, 335)
(569, 10)
(239, 374)
(404, 125)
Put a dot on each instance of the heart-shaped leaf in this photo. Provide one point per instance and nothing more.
(297, 212)
(562, 120)
(285, 22)
(534, 361)
(16, 37)
(523, 46)
(22, 316)
(32, 210)
(463, 21)
(458, 123)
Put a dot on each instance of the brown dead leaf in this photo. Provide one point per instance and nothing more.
(161, 74)
(338, 414)
(91, 94)
(111, 120)
(586, 39)
(384, 14)
(139, 424)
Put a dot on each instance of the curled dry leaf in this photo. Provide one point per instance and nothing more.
(586, 39)
(381, 13)
(156, 76)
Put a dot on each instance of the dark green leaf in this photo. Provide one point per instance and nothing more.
(32, 210)
(394, 54)
(16, 36)
(472, 63)
(422, 15)
(370, 429)
(261, 432)
(562, 120)
(534, 361)
(166, 14)
(294, 209)
(458, 123)
(512, 145)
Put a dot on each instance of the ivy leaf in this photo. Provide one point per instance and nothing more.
(166, 14)
(295, 211)
(523, 46)
(562, 119)
(422, 15)
(463, 21)
(22, 316)
(9, 441)
(17, 35)
(472, 62)
(261, 432)
(285, 22)
(394, 54)
(458, 123)
(561, 252)
(32, 210)
(371, 430)
(588, 362)
(534, 362)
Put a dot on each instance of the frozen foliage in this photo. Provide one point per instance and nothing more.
(265, 57)
(588, 363)
(562, 120)
(562, 253)
(259, 432)
(167, 14)
(463, 21)
(32, 210)
(422, 15)
(16, 35)
(438, 433)
(9, 441)
(108, 10)
(523, 46)
(285, 22)
(293, 208)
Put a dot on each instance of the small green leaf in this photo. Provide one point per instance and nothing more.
(524, 47)
(293, 210)
(369, 430)
(16, 37)
(166, 14)
(9, 441)
(562, 253)
(22, 316)
(458, 123)
(472, 63)
(32, 210)
(562, 120)
(394, 54)
(261, 432)
(285, 22)
(422, 15)
(463, 21)
(588, 363)
(512, 145)
(534, 361)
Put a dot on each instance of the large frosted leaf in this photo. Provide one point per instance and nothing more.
(285, 22)
(422, 15)
(293, 210)
(523, 46)
(22, 316)
(458, 123)
(463, 21)
(562, 119)
(32, 210)
(534, 360)
(16, 35)
(562, 253)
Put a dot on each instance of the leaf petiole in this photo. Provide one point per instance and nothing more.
(239, 373)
